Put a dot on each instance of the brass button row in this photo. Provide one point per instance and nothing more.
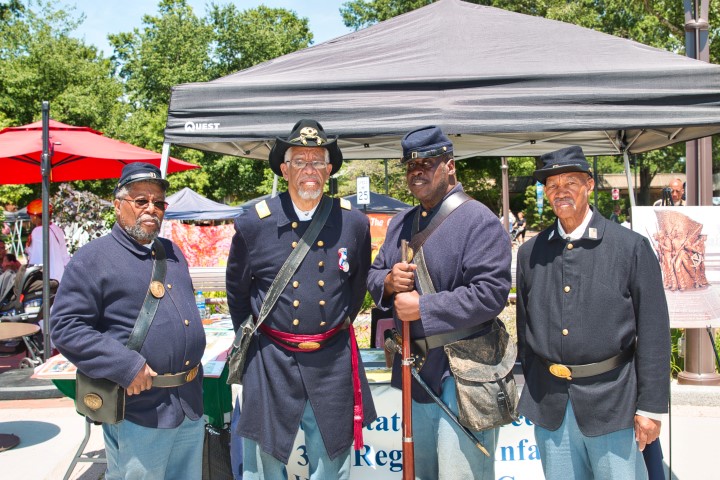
(320, 243)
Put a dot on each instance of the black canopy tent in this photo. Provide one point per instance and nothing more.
(502, 83)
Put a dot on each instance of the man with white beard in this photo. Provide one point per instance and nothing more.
(303, 368)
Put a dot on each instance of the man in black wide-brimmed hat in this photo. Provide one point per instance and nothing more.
(303, 369)
(593, 332)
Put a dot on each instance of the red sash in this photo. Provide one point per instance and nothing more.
(311, 343)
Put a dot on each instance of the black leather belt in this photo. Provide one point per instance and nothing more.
(568, 372)
(176, 379)
(434, 341)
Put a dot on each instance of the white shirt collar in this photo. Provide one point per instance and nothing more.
(302, 215)
(580, 230)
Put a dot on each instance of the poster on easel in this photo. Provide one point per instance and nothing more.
(686, 241)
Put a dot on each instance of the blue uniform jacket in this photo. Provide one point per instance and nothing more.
(95, 310)
(277, 382)
(468, 258)
(584, 301)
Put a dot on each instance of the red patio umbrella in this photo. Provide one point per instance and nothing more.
(78, 153)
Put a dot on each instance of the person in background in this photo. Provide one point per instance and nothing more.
(615, 215)
(593, 334)
(676, 191)
(301, 369)
(520, 226)
(96, 308)
(468, 258)
(3, 252)
(10, 263)
(59, 256)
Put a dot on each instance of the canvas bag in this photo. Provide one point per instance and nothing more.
(487, 395)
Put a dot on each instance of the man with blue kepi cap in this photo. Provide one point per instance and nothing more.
(467, 254)
(107, 288)
(593, 332)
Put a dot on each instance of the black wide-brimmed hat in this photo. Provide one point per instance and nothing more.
(140, 172)
(569, 159)
(305, 133)
(425, 142)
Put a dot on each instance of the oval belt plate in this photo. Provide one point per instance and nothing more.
(191, 375)
(560, 371)
(157, 289)
(308, 345)
(93, 401)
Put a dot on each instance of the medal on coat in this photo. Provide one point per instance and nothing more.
(342, 260)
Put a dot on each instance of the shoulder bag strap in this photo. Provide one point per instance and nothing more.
(151, 303)
(293, 261)
(448, 206)
(426, 285)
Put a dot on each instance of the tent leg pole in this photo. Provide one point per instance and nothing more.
(631, 190)
(165, 159)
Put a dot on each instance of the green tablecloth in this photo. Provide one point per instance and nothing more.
(217, 396)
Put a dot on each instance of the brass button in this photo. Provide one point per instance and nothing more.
(296, 303)
(567, 288)
(187, 322)
(424, 214)
(321, 283)
(187, 362)
(153, 253)
(321, 264)
(296, 322)
(320, 243)
(169, 286)
(565, 331)
(570, 246)
(294, 244)
(296, 284)
(322, 324)
(322, 303)
(294, 224)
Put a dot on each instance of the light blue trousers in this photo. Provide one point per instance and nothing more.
(442, 450)
(258, 465)
(568, 454)
(134, 452)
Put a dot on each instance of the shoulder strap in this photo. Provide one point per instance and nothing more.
(447, 207)
(151, 303)
(294, 260)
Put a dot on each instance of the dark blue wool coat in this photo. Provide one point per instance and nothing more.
(614, 295)
(95, 310)
(468, 258)
(277, 383)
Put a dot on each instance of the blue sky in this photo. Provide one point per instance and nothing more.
(114, 16)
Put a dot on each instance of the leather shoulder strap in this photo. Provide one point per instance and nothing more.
(448, 206)
(293, 261)
(151, 303)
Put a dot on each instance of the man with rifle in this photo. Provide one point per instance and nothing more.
(467, 254)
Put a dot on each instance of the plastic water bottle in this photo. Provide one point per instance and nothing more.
(200, 302)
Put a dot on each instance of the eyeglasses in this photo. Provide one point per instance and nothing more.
(301, 164)
(142, 203)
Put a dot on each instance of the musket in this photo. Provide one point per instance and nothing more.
(391, 344)
(408, 446)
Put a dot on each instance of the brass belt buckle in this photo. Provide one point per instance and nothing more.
(190, 376)
(308, 345)
(561, 371)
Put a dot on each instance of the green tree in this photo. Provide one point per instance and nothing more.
(39, 60)
(245, 38)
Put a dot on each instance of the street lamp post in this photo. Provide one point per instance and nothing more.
(699, 359)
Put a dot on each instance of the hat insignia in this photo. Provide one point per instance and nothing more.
(308, 133)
